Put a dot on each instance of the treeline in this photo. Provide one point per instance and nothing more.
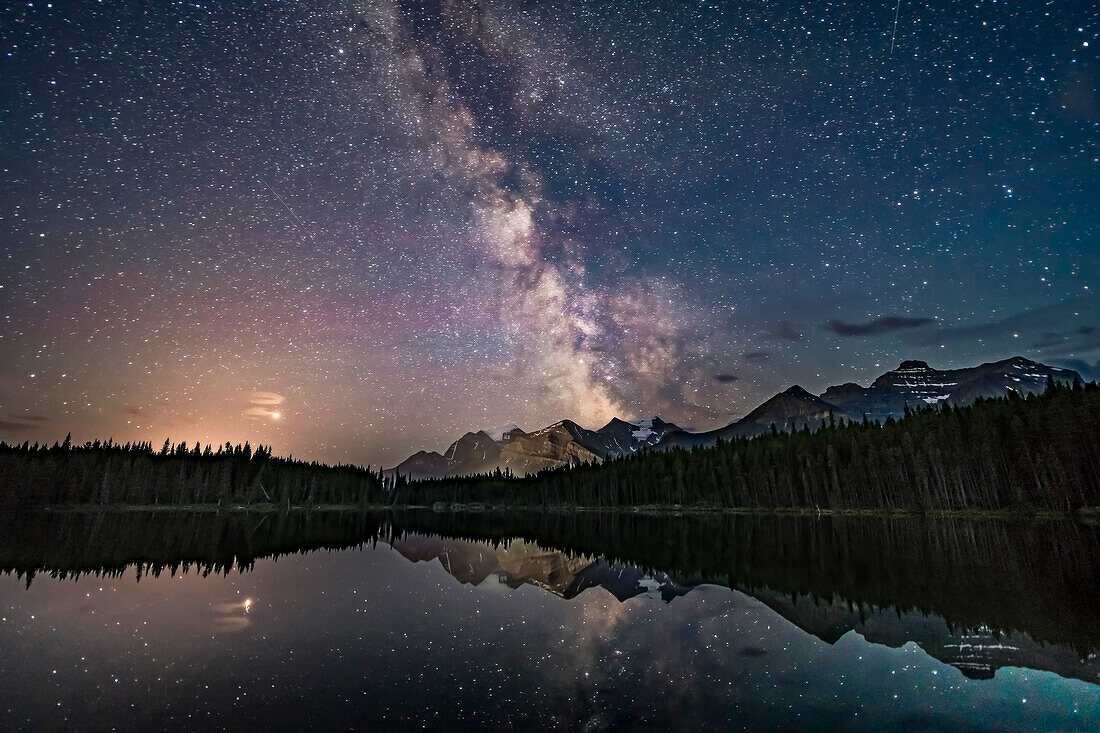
(1040, 452)
(136, 474)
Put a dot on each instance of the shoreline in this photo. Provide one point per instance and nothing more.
(670, 510)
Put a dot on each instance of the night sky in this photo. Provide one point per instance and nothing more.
(354, 230)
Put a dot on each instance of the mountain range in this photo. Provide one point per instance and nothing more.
(561, 444)
(978, 652)
(914, 384)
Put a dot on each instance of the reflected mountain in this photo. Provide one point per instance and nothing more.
(977, 653)
(518, 563)
(979, 595)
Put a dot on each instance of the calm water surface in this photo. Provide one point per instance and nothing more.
(426, 630)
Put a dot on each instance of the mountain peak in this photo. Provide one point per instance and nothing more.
(616, 422)
(567, 424)
(914, 365)
(472, 447)
(797, 391)
(500, 431)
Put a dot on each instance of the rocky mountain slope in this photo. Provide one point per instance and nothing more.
(471, 454)
(792, 409)
(917, 384)
(913, 383)
(562, 444)
(619, 437)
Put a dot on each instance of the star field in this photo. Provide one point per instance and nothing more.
(353, 230)
(362, 638)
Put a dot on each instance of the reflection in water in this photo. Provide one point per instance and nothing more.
(830, 622)
(232, 616)
(508, 566)
(976, 652)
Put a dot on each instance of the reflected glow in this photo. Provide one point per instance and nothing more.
(358, 638)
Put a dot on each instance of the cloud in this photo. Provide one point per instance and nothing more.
(14, 426)
(264, 406)
(757, 356)
(1051, 339)
(787, 331)
(1032, 329)
(725, 378)
(22, 423)
(885, 324)
(1088, 372)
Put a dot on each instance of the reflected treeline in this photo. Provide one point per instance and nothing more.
(1040, 578)
(977, 652)
(72, 544)
(1037, 577)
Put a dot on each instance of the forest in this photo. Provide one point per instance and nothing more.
(1039, 453)
(177, 475)
(1034, 453)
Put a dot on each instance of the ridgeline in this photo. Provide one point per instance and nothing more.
(1035, 454)
(1039, 454)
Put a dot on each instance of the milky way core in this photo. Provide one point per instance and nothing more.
(357, 229)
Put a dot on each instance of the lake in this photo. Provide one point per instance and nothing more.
(514, 621)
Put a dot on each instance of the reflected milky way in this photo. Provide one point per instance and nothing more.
(736, 629)
(362, 637)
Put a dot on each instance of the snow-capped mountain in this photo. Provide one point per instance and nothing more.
(504, 433)
(565, 443)
(620, 437)
(913, 383)
(917, 384)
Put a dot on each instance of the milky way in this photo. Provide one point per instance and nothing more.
(354, 230)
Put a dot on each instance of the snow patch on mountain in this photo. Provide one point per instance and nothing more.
(499, 431)
(644, 429)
